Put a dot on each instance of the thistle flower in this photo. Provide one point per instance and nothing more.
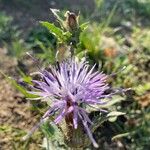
(70, 87)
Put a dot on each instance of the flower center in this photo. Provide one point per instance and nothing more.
(69, 116)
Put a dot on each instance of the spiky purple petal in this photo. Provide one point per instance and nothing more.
(70, 85)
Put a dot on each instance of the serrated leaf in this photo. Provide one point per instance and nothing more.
(57, 32)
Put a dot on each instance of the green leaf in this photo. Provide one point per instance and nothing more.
(140, 89)
(98, 121)
(81, 54)
(52, 131)
(67, 34)
(115, 113)
(112, 119)
(112, 116)
(57, 32)
(120, 136)
(47, 144)
(115, 99)
(18, 87)
(58, 17)
(21, 89)
(84, 26)
(25, 78)
(5, 128)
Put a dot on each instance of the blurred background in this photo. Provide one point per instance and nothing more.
(118, 35)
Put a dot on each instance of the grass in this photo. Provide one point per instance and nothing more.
(5, 23)
(15, 137)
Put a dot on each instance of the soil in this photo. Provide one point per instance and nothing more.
(16, 116)
(27, 14)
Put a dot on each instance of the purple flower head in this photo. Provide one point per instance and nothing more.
(70, 86)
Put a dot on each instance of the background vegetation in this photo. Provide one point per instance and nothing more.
(118, 35)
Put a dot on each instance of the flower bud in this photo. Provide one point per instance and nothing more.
(71, 21)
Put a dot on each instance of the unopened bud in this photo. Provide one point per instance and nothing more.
(71, 21)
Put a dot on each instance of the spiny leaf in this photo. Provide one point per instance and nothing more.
(54, 30)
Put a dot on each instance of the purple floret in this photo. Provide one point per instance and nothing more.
(69, 86)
